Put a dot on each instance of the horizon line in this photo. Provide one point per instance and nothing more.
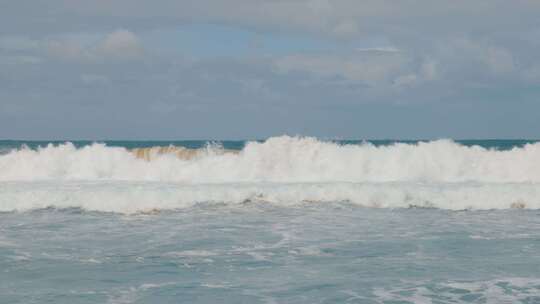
(264, 139)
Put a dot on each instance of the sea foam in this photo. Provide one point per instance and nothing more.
(130, 197)
(282, 171)
(279, 159)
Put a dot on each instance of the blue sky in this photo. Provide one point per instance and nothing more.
(238, 69)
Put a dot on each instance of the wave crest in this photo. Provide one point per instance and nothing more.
(282, 170)
(278, 159)
(152, 153)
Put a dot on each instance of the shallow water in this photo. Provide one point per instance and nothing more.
(257, 253)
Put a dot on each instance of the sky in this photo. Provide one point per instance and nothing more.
(246, 69)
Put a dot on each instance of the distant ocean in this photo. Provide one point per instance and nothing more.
(282, 220)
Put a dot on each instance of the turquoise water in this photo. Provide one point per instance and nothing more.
(333, 253)
(91, 226)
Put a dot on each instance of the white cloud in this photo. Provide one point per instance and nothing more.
(121, 44)
(413, 41)
(496, 58)
(375, 67)
(331, 17)
(369, 69)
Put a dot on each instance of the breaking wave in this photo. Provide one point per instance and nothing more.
(279, 159)
(281, 170)
(130, 197)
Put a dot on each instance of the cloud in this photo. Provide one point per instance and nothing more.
(381, 67)
(94, 79)
(532, 74)
(18, 59)
(466, 59)
(121, 44)
(18, 43)
(499, 60)
(406, 80)
(389, 49)
(225, 98)
(314, 58)
(428, 70)
(317, 16)
(66, 50)
(368, 69)
(346, 28)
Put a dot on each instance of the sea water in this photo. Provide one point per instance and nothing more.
(285, 220)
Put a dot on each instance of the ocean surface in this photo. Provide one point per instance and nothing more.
(282, 220)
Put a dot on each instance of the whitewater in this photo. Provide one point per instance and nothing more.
(282, 220)
(281, 170)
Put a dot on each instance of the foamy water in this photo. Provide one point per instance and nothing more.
(282, 171)
(279, 159)
(286, 220)
(261, 253)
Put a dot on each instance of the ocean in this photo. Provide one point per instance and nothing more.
(282, 220)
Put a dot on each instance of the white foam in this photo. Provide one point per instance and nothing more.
(191, 253)
(504, 290)
(281, 171)
(135, 197)
(281, 159)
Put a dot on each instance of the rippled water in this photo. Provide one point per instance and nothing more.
(286, 220)
(259, 253)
